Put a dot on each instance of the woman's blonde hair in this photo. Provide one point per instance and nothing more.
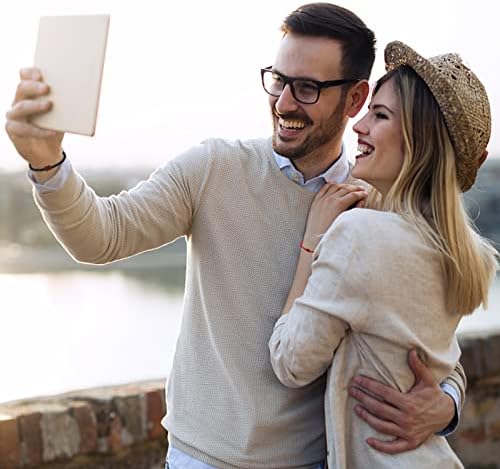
(426, 193)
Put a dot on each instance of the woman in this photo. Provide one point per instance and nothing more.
(400, 273)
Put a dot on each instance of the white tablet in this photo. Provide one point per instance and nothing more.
(70, 53)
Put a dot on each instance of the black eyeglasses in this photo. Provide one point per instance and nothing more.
(304, 90)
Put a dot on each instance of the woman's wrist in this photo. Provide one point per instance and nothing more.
(305, 248)
(310, 241)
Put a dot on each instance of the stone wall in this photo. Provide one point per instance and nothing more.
(477, 440)
(105, 428)
(119, 427)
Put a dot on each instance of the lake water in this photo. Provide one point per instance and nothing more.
(72, 330)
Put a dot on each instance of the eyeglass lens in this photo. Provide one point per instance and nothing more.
(303, 91)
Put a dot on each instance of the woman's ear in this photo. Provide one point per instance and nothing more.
(357, 97)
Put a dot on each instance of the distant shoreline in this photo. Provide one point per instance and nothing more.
(19, 259)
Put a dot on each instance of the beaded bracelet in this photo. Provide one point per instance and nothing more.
(49, 167)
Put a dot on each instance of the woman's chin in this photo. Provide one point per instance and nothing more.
(358, 172)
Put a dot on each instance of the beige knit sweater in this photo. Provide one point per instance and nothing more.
(243, 220)
(376, 290)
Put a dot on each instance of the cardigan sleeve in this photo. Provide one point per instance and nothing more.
(304, 341)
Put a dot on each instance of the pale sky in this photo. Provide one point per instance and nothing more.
(179, 72)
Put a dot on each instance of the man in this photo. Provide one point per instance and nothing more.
(242, 208)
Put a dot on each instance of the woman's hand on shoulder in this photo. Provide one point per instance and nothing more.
(329, 203)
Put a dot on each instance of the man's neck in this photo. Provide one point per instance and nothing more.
(310, 167)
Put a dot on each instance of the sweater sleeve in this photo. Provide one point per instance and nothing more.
(304, 341)
(99, 230)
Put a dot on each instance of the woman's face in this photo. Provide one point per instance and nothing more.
(380, 140)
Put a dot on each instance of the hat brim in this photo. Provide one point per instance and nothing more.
(398, 54)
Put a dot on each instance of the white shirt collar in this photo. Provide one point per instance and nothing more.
(336, 173)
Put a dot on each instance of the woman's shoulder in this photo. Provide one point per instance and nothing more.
(368, 219)
(373, 226)
(376, 233)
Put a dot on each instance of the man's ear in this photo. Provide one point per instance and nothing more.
(482, 158)
(356, 97)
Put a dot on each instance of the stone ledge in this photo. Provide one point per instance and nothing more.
(477, 439)
(480, 355)
(112, 424)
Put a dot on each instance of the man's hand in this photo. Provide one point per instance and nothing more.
(37, 146)
(412, 417)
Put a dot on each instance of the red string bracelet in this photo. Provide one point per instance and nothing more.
(304, 248)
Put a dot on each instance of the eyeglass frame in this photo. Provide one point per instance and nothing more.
(290, 80)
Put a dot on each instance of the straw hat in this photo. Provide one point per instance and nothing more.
(461, 98)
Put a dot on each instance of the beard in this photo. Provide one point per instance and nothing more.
(329, 130)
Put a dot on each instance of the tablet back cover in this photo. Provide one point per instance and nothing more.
(70, 53)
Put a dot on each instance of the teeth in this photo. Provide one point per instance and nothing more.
(292, 124)
(364, 148)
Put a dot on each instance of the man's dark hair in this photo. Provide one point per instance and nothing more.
(335, 22)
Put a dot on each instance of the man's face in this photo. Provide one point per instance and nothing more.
(300, 129)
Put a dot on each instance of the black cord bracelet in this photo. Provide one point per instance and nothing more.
(49, 167)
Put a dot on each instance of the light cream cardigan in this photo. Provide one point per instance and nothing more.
(376, 290)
